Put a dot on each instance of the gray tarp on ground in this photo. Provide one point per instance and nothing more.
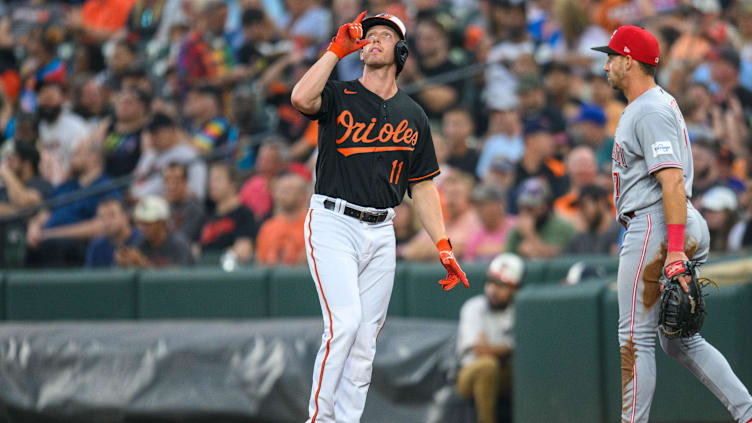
(259, 371)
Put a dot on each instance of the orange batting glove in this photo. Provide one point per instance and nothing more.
(454, 273)
(346, 40)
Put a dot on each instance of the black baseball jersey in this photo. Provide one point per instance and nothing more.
(370, 149)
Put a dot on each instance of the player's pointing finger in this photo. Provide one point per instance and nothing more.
(360, 17)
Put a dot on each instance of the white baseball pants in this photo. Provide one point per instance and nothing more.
(352, 264)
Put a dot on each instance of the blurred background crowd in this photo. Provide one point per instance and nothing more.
(148, 133)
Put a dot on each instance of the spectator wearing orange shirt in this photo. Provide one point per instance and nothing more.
(582, 171)
(280, 239)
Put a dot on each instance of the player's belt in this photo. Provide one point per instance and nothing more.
(362, 215)
(629, 216)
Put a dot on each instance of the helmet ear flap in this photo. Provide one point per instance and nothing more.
(400, 55)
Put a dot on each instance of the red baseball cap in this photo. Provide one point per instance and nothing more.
(629, 40)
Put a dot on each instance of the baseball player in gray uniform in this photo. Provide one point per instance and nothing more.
(652, 173)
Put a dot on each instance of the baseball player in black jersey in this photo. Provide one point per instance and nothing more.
(374, 144)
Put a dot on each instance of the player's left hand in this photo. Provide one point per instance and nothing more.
(673, 257)
(454, 272)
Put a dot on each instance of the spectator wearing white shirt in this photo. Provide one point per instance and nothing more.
(59, 131)
(167, 146)
(485, 339)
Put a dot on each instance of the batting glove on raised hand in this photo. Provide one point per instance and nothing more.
(346, 40)
(454, 273)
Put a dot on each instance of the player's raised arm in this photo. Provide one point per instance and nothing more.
(306, 95)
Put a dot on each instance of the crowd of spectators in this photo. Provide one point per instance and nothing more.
(147, 133)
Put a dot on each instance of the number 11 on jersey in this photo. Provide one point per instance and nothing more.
(392, 178)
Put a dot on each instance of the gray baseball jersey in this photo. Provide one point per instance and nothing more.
(651, 135)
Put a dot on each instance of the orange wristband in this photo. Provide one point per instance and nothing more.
(444, 245)
(337, 49)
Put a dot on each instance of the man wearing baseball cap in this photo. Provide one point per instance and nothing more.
(159, 247)
(652, 173)
(485, 337)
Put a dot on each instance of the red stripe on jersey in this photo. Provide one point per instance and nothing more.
(667, 164)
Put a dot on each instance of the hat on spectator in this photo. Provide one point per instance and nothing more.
(202, 6)
(502, 164)
(592, 192)
(151, 208)
(27, 152)
(630, 40)
(533, 192)
(487, 193)
(707, 6)
(252, 16)
(591, 113)
(556, 66)
(159, 121)
(207, 89)
(301, 170)
(43, 83)
(529, 82)
(142, 96)
(509, 4)
(535, 125)
(726, 54)
(501, 102)
(506, 269)
(719, 198)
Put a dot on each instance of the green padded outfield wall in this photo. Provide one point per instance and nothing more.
(424, 297)
(3, 315)
(292, 293)
(557, 377)
(203, 293)
(70, 295)
(253, 292)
